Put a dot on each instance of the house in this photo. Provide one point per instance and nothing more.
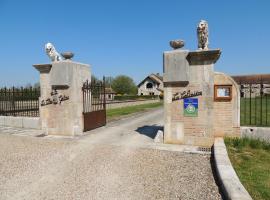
(109, 94)
(253, 85)
(151, 85)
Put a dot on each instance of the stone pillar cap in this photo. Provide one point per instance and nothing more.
(43, 68)
(203, 57)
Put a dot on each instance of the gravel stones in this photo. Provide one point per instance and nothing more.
(62, 170)
(114, 162)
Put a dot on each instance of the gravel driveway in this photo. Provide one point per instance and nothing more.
(119, 161)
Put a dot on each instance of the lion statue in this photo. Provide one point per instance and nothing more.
(52, 53)
(202, 33)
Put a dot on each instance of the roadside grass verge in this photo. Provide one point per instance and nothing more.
(251, 161)
(116, 113)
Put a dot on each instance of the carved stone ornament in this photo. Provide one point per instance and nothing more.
(67, 55)
(186, 94)
(177, 44)
(54, 99)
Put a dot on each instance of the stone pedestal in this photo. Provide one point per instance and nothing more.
(61, 103)
(190, 75)
(176, 69)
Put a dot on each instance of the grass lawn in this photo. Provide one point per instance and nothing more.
(255, 111)
(251, 161)
(118, 112)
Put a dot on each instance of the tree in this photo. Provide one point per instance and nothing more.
(36, 85)
(124, 85)
(28, 85)
(94, 78)
(108, 81)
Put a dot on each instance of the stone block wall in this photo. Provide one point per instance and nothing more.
(188, 130)
(20, 122)
(227, 113)
(261, 133)
(62, 79)
(193, 72)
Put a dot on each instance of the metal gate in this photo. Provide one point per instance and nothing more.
(255, 100)
(94, 104)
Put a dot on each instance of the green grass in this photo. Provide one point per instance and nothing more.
(134, 97)
(255, 111)
(251, 161)
(118, 112)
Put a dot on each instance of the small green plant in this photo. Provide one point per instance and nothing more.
(239, 143)
(251, 161)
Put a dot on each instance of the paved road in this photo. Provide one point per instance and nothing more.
(119, 161)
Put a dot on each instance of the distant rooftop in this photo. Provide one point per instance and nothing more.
(251, 78)
(109, 91)
(154, 77)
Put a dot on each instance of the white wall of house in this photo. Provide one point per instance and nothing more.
(110, 96)
(146, 89)
(255, 90)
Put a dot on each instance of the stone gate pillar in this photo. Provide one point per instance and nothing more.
(189, 96)
(61, 103)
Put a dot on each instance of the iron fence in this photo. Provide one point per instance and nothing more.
(94, 98)
(255, 102)
(19, 101)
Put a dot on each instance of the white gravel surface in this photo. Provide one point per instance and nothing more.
(119, 161)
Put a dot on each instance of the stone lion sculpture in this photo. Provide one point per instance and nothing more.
(52, 53)
(202, 33)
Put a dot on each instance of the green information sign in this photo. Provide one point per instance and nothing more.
(191, 107)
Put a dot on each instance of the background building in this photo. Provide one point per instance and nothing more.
(109, 93)
(253, 85)
(151, 85)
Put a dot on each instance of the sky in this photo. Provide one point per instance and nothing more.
(129, 36)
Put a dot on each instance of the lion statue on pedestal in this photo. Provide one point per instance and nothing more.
(52, 53)
(202, 33)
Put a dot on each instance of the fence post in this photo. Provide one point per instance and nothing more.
(104, 97)
(261, 93)
(250, 92)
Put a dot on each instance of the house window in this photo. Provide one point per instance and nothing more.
(149, 85)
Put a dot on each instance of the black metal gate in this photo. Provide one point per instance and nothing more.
(94, 104)
(255, 101)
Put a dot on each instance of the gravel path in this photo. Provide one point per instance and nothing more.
(115, 162)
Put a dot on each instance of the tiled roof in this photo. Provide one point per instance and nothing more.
(252, 78)
(109, 91)
(154, 77)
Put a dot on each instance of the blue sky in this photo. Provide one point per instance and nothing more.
(129, 36)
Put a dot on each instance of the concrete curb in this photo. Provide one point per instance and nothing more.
(230, 183)
(261, 133)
